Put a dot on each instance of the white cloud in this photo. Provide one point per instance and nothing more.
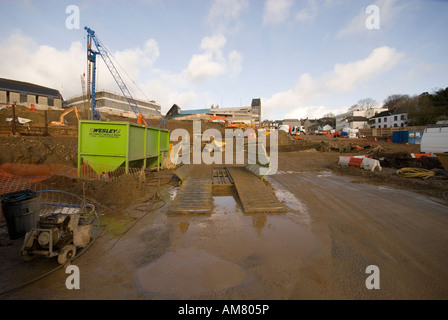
(277, 11)
(213, 44)
(130, 63)
(235, 61)
(298, 101)
(224, 15)
(311, 112)
(388, 10)
(61, 69)
(202, 66)
(167, 95)
(223, 19)
(345, 77)
(41, 64)
(212, 62)
(309, 13)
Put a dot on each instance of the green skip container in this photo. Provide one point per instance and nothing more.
(21, 212)
(104, 144)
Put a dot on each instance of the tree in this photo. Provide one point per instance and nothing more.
(421, 111)
(367, 103)
(440, 102)
(395, 101)
(364, 104)
(354, 107)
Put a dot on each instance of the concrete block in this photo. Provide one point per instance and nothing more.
(14, 97)
(31, 99)
(57, 103)
(3, 97)
(42, 100)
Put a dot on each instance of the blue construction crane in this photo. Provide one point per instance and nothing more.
(91, 57)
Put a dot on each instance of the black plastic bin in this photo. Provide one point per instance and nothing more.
(21, 212)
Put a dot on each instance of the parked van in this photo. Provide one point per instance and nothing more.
(435, 139)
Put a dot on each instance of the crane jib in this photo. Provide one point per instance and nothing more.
(91, 55)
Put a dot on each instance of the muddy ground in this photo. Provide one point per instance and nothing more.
(340, 221)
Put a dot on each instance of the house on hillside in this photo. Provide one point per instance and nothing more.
(356, 119)
(292, 122)
(389, 119)
(310, 124)
(357, 122)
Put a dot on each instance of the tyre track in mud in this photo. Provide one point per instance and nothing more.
(401, 232)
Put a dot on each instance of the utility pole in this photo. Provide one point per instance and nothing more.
(13, 123)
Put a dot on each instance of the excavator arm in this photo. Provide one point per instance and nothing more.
(61, 121)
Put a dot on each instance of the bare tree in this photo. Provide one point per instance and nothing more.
(353, 108)
(395, 101)
(367, 103)
(363, 104)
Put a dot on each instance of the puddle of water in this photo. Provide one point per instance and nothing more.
(291, 201)
(173, 193)
(325, 174)
(226, 204)
(246, 253)
(187, 272)
(288, 172)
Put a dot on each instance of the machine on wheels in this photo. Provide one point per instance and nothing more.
(57, 234)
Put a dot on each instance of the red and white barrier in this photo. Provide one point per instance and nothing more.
(361, 162)
(420, 155)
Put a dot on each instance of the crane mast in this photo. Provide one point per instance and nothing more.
(91, 57)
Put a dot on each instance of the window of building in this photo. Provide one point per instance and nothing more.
(379, 120)
(403, 117)
(395, 118)
(385, 119)
(385, 126)
(395, 125)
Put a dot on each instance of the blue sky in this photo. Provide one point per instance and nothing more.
(302, 58)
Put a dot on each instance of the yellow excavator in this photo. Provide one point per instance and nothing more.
(61, 121)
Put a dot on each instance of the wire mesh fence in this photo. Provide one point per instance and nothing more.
(15, 176)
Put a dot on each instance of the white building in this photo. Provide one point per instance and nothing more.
(116, 103)
(356, 119)
(249, 114)
(389, 119)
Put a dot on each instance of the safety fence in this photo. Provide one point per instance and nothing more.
(40, 130)
(16, 176)
(386, 132)
(35, 122)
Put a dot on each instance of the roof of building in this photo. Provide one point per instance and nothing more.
(388, 113)
(356, 118)
(30, 88)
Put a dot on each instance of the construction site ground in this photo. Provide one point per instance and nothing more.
(339, 221)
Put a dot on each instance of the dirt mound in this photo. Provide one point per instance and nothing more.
(39, 150)
(36, 116)
(285, 139)
(114, 194)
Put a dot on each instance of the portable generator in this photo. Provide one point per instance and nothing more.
(58, 234)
